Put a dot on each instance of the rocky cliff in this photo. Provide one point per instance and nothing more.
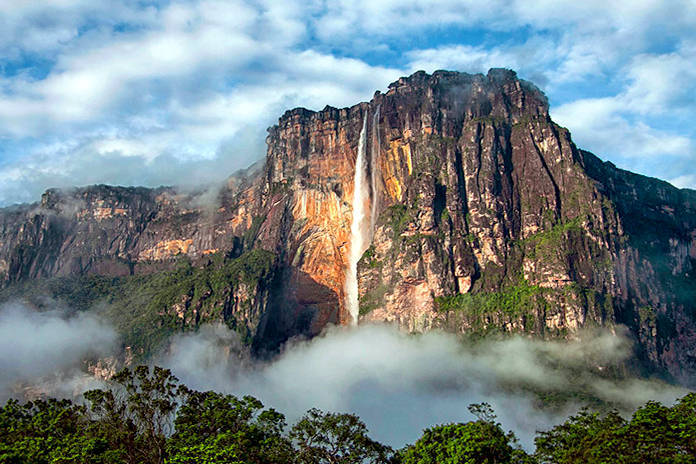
(483, 217)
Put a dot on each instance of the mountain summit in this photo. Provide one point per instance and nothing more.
(477, 214)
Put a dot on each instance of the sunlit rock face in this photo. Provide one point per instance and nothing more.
(486, 218)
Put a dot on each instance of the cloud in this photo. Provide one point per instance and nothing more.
(530, 59)
(126, 162)
(644, 126)
(180, 80)
(685, 181)
(143, 106)
(345, 21)
(461, 57)
(401, 383)
(662, 83)
(44, 351)
(201, 143)
(604, 126)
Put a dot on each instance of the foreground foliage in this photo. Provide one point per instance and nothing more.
(655, 434)
(147, 416)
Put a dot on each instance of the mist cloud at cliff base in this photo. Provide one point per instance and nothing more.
(400, 383)
(44, 352)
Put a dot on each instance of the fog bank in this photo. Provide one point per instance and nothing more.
(400, 383)
(44, 352)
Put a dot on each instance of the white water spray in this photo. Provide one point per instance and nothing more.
(357, 227)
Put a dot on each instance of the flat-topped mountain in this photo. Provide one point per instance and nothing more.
(477, 213)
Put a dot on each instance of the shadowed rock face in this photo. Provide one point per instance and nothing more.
(488, 219)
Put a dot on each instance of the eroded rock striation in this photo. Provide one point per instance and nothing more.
(485, 217)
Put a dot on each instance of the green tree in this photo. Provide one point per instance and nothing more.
(334, 438)
(51, 431)
(137, 413)
(216, 428)
(655, 434)
(580, 438)
(682, 416)
(477, 442)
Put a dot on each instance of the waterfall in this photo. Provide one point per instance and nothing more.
(374, 170)
(357, 227)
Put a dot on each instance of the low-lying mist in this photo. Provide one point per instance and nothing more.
(400, 383)
(45, 352)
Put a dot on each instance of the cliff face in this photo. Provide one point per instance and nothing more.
(484, 217)
(120, 231)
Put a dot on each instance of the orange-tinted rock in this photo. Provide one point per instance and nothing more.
(166, 249)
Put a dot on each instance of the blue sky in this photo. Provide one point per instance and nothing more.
(181, 92)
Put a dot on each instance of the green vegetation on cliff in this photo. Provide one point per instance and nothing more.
(398, 217)
(555, 239)
(513, 301)
(152, 307)
(146, 309)
(373, 299)
(527, 305)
